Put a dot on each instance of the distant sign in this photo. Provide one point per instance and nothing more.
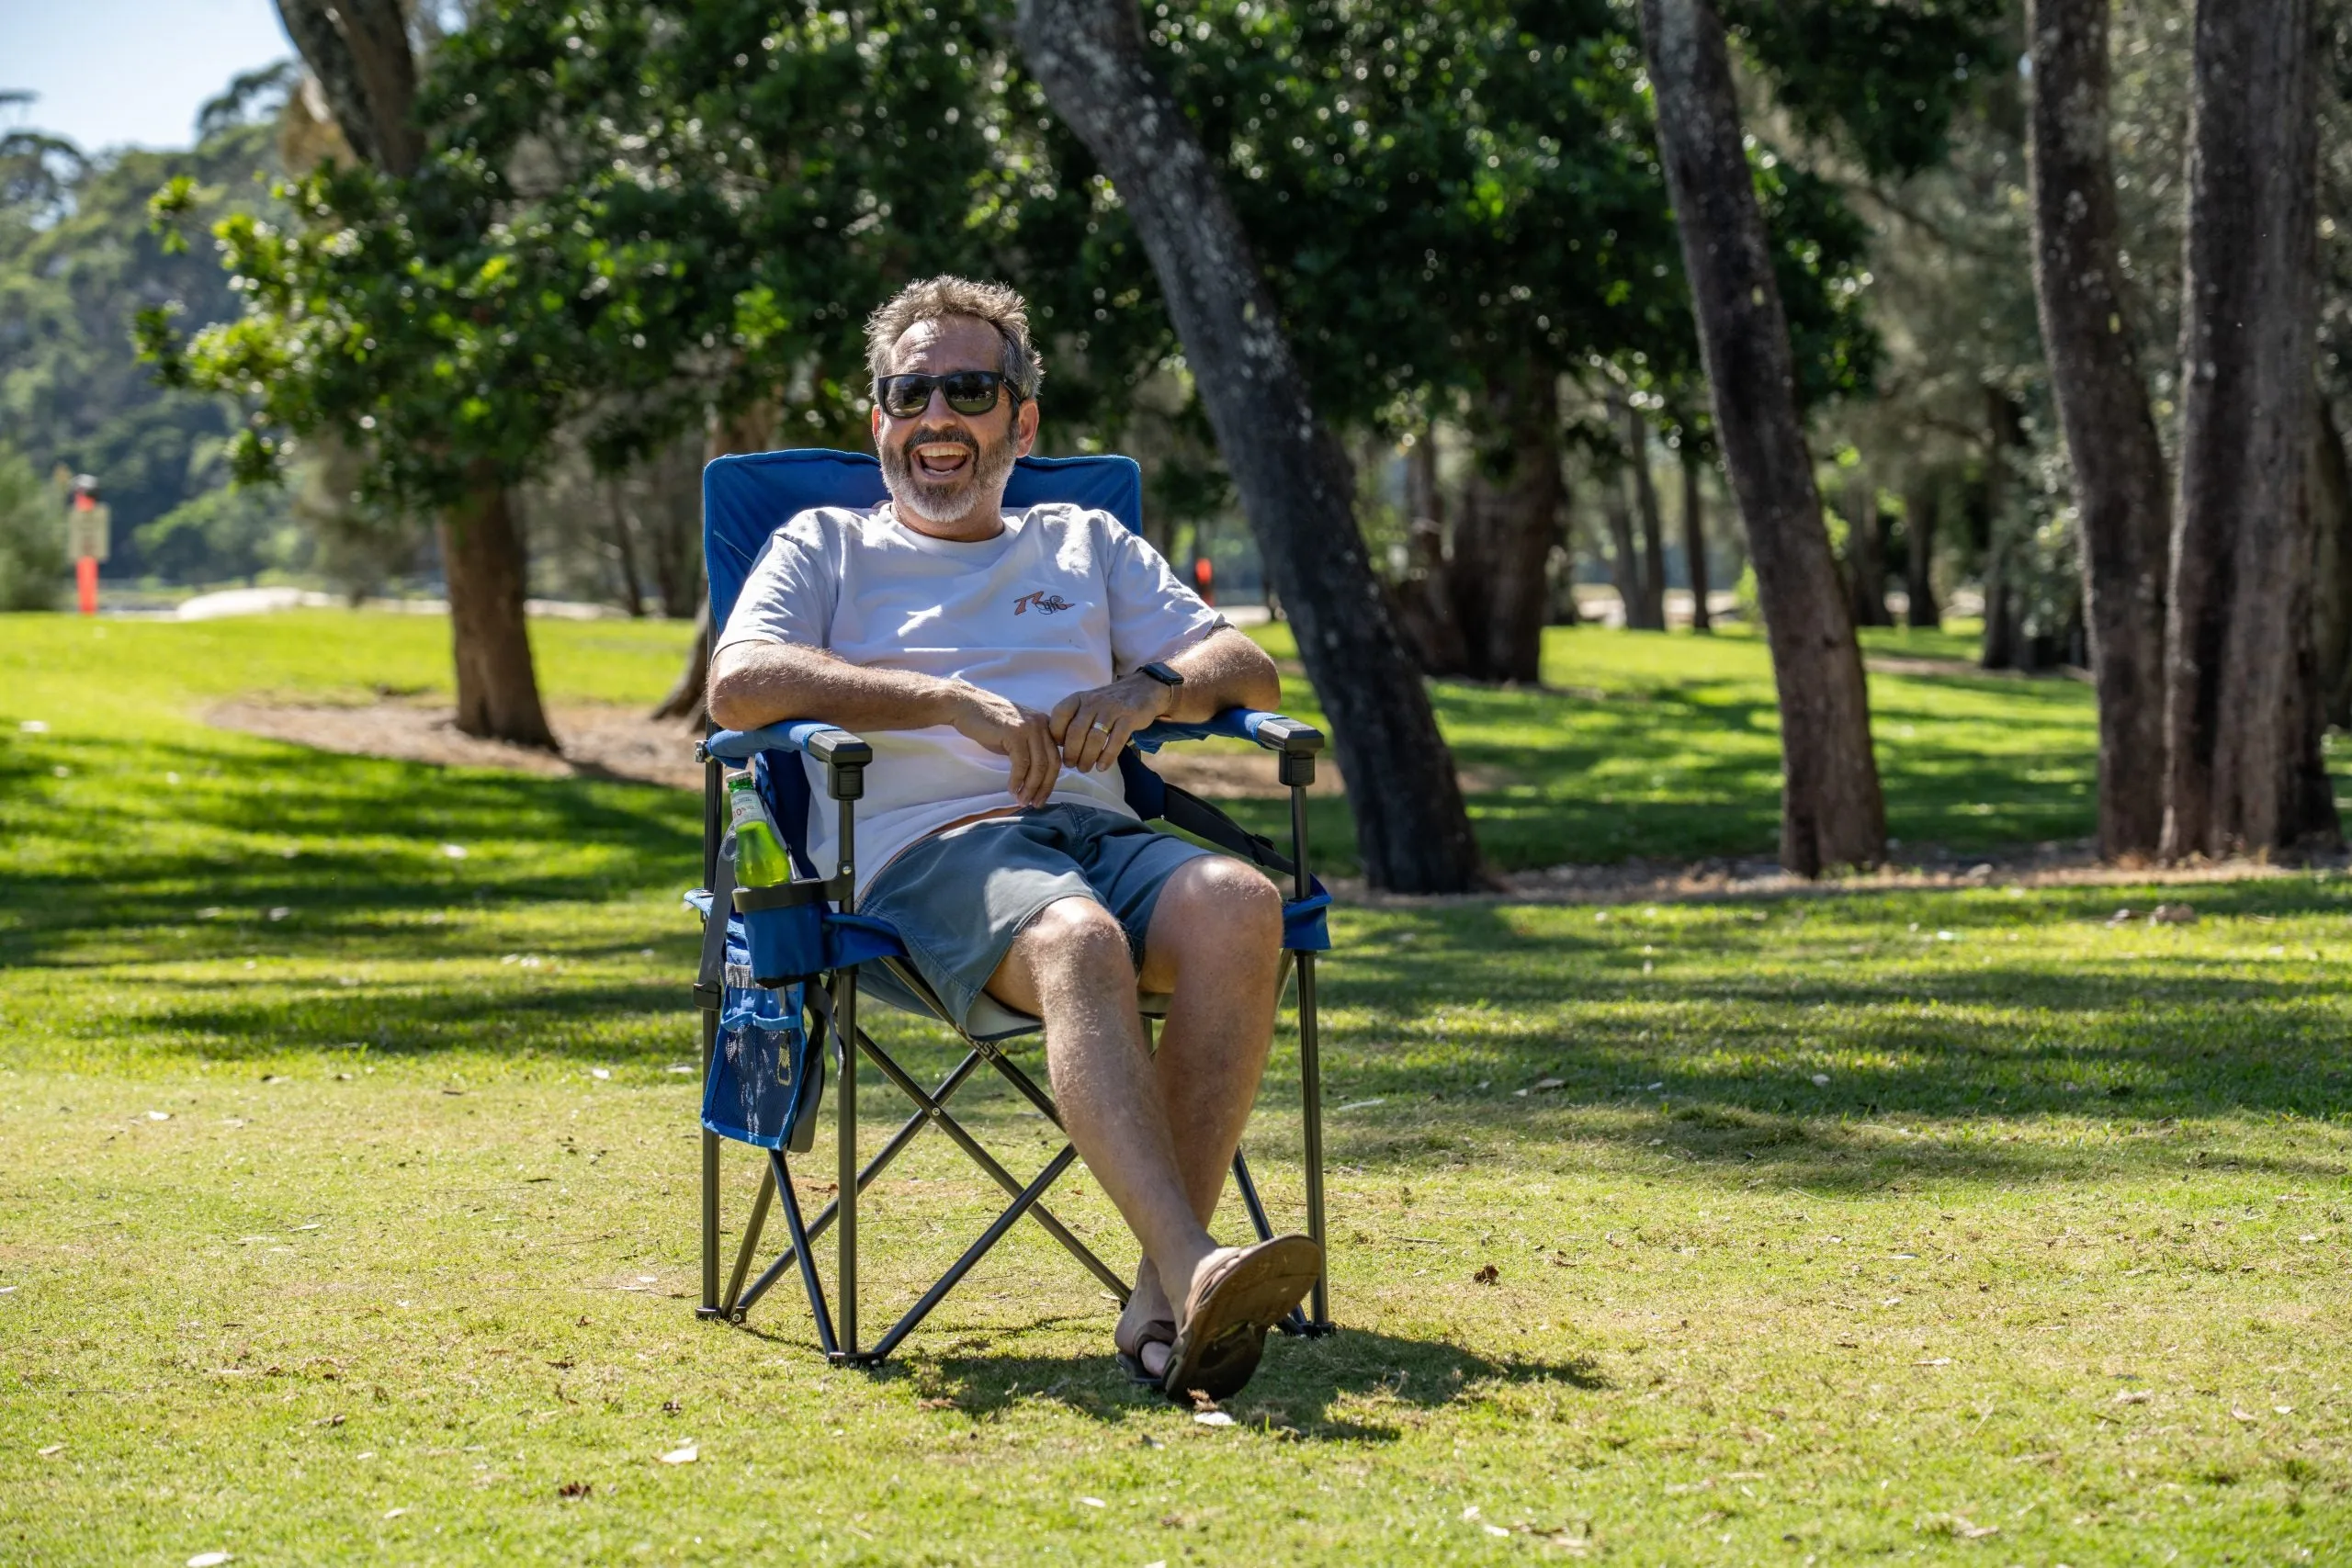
(89, 528)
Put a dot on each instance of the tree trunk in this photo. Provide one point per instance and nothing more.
(1561, 570)
(1831, 810)
(358, 51)
(1412, 829)
(1625, 562)
(1694, 538)
(1509, 520)
(1652, 574)
(2243, 772)
(1920, 515)
(483, 558)
(1866, 551)
(624, 550)
(2004, 635)
(2103, 405)
(2332, 564)
(1426, 599)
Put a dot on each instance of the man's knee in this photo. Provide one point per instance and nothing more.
(1216, 905)
(1074, 934)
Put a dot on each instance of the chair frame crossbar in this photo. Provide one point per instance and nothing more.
(833, 1005)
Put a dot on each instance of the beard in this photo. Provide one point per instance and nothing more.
(947, 500)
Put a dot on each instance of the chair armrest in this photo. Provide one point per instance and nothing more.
(1274, 731)
(819, 739)
(844, 755)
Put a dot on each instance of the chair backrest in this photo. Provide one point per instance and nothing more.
(747, 498)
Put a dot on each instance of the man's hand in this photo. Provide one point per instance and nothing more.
(1022, 734)
(1091, 726)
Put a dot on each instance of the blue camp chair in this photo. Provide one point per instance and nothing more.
(783, 967)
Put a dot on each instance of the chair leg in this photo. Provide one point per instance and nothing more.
(845, 1109)
(709, 1305)
(1296, 1322)
(1310, 1104)
(873, 1168)
(782, 1175)
(974, 1253)
(980, 1156)
(1249, 1200)
(749, 1247)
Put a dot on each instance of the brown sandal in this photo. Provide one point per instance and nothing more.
(1228, 1311)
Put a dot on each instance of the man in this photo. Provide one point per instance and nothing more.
(998, 662)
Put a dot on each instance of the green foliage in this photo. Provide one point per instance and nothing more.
(225, 532)
(1437, 191)
(32, 537)
(1885, 80)
(633, 216)
(76, 263)
(704, 231)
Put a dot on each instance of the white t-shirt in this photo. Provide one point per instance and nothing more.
(1065, 599)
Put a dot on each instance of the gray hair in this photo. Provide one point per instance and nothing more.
(934, 298)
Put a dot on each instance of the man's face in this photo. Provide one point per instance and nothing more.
(940, 465)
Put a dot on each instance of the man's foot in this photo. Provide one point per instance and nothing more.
(1237, 1294)
(1146, 1329)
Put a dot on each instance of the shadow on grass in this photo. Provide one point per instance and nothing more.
(1460, 1046)
(367, 838)
(1338, 1388)
(1688, 768)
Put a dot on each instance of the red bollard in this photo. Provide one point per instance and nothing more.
(86, 579)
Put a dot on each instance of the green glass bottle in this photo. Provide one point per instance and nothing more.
(759, 858)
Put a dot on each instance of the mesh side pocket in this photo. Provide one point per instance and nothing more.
(767, 1076)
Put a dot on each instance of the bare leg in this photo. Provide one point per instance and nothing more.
(1069, 966)
(1215, 945)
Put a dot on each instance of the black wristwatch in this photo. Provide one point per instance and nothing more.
(1161, 674)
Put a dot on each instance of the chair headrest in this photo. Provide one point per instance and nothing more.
(747, 498)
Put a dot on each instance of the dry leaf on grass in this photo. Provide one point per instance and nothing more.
(1489, 1275)
(575, 1489)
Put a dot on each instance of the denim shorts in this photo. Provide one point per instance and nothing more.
(960, 896)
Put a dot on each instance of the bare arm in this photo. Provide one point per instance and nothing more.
(1223, 670)
(755, 683)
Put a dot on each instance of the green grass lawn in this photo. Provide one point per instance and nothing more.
(347, 1180)
(1655, 746)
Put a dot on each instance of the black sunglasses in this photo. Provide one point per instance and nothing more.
(968, 392)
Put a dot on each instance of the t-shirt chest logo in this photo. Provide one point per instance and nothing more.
(1044, 603)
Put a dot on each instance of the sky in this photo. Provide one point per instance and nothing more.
(117, 71)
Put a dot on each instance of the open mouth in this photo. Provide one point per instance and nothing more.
(942, 460)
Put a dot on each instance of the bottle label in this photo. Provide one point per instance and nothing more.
(744, 805)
